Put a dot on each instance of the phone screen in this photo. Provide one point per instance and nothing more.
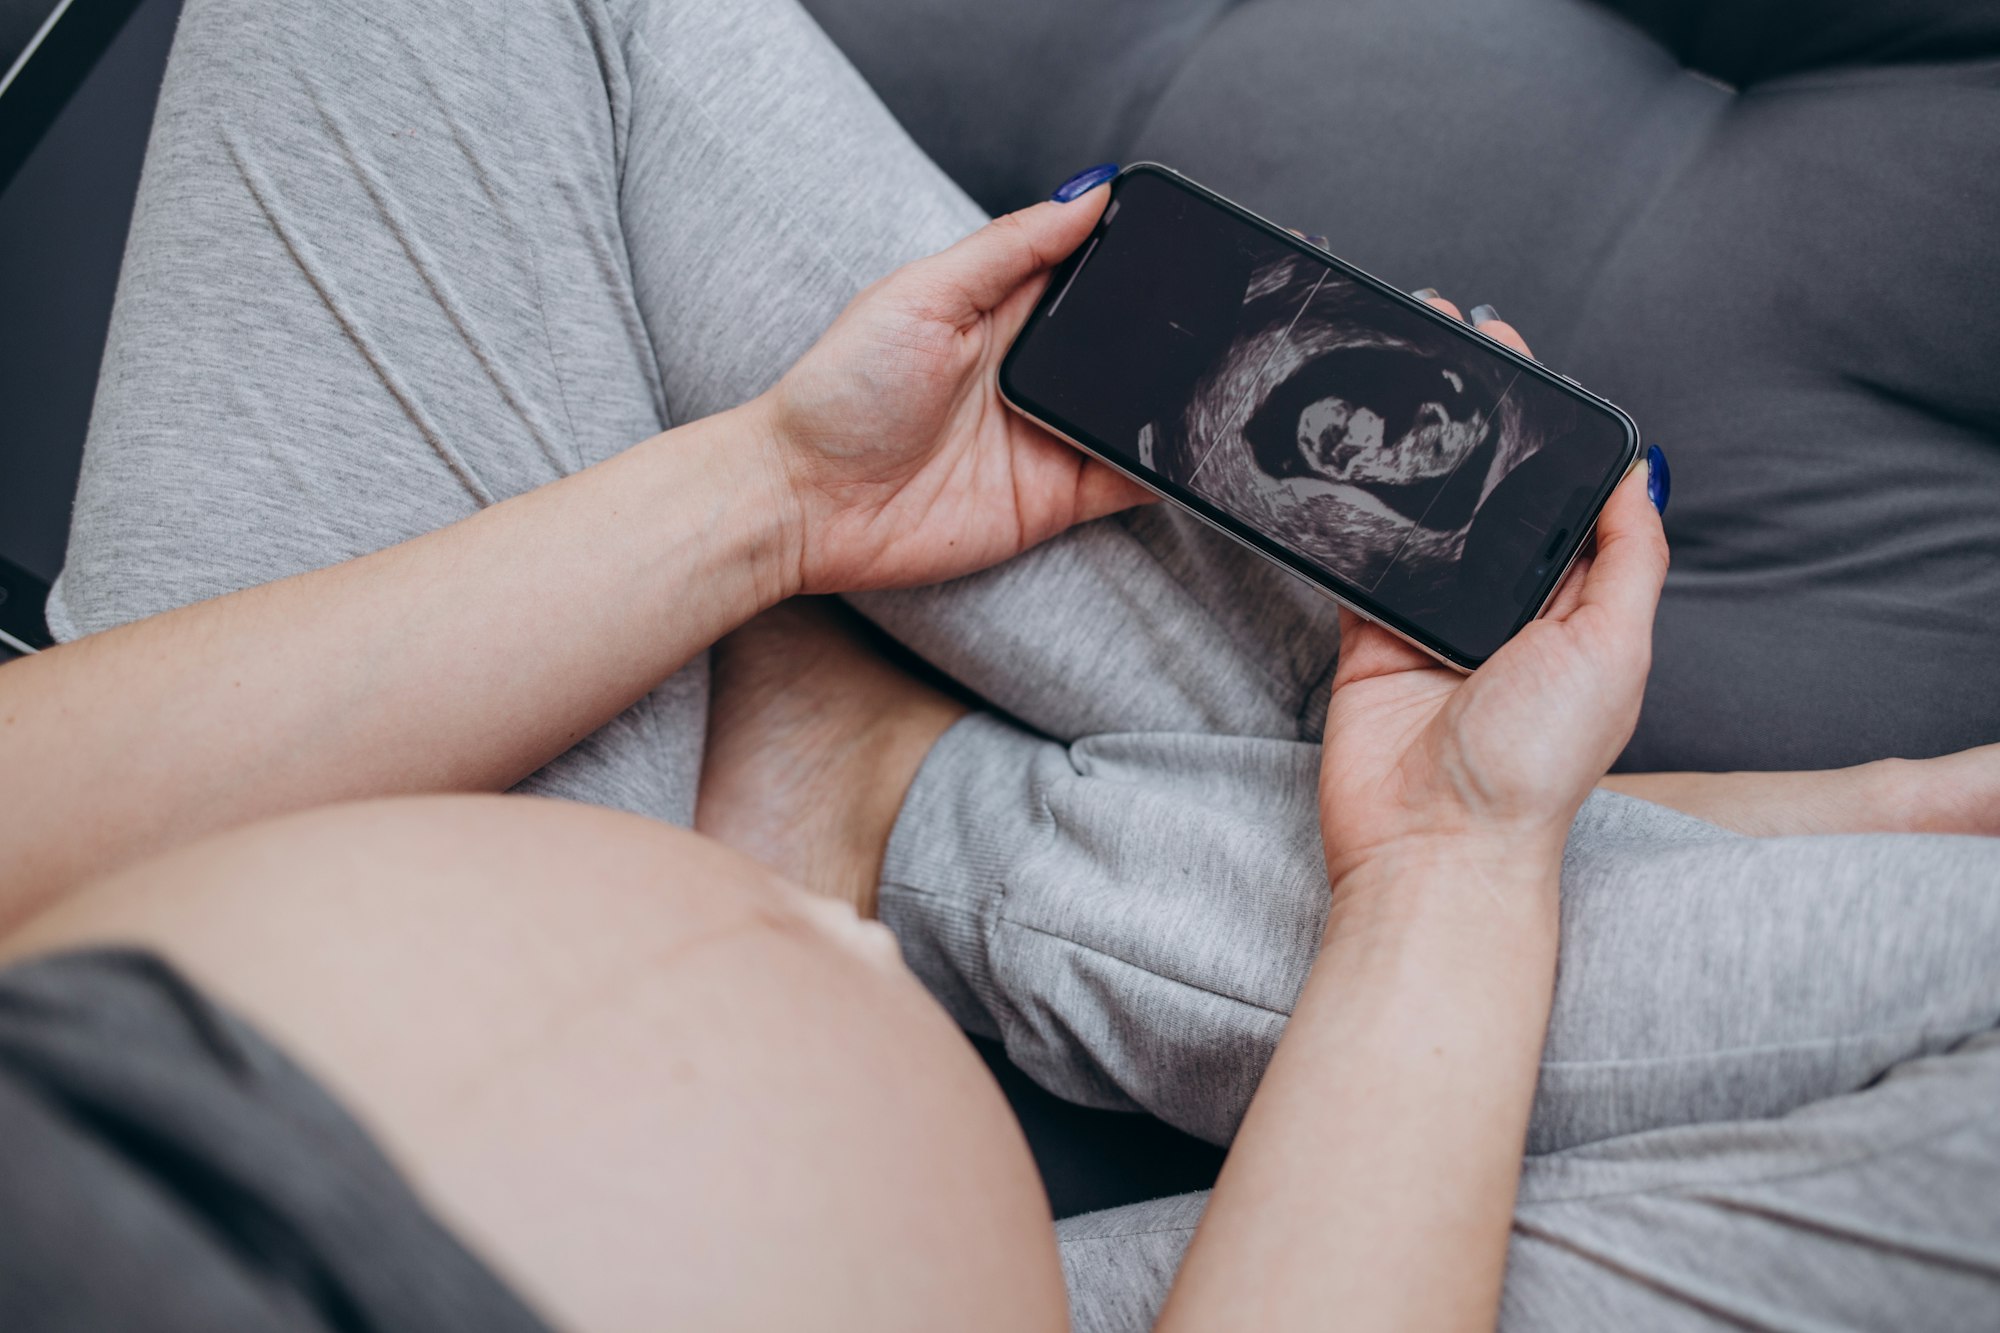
(1387, 452)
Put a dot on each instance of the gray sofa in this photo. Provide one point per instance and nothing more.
(1771, 231)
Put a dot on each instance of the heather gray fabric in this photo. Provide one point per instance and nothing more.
(1132, 919)
(163, 1167)
(1824, 1219)
(393, 262)
(1770, 1095)
(1763, 228)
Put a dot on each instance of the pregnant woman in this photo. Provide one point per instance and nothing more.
(405, 285)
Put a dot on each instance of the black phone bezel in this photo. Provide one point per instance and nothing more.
(1323, 579)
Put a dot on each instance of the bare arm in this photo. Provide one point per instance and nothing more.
(468, 658)
(1376, 1169)
(459, 661)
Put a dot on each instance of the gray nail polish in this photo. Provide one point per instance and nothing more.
(1425, 293)
(1482, 313)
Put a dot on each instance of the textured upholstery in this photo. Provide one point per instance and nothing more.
(1771, 231)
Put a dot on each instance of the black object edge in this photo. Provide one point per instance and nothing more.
(52, 72)
(23, 626)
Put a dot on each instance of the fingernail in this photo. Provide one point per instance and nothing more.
(1084, 182)
(1320, 241)
(1659, 478)
(1481, 313)
(1425, 293)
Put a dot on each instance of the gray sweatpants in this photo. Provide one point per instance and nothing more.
(394, 261)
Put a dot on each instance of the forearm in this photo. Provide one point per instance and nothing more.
(1375, 1170)
(461, 660)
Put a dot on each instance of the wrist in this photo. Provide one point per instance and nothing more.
(1485, 880)
(770, 513)
(716, 494)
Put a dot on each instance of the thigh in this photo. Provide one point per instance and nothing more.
(1708, 977)
(655, 1085)
(341, 321)
(375, 282)
(1872, 1209)
(1703, 976)
(763, 186)
(394, 262)
(1146, 621)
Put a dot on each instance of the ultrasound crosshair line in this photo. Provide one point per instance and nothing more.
(1409, 536)
(1243, 407)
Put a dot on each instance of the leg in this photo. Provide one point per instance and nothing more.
(392, 262)
(651, 1081)
(1871, 1209)
(1704, 974)
(1953, 793)
(1132, 915)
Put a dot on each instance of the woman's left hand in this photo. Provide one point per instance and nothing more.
(899, 463)
(1421, 761)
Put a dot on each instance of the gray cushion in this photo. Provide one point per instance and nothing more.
(1768, 230)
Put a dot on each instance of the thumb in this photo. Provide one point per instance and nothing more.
(986, 267)
(1367, 651)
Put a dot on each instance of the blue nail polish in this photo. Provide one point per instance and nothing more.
(1425, 293)
(1482, 313)
(1320, 241)
(1659, 478)
(1084, 182)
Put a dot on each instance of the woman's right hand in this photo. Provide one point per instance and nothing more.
(898, 461)
(1421, 760)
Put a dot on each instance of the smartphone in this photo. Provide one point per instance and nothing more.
(1433, 480)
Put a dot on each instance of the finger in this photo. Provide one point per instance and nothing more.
(1008, 318)
(1482, 319)
(1569, 593)
(1630, 563)
(1429, 296)
(1367, 651)
(1102, 489)
(986, 267)
(1499, 330)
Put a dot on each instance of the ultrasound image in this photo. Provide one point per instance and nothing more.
(1347, 429)
(1408, 459)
